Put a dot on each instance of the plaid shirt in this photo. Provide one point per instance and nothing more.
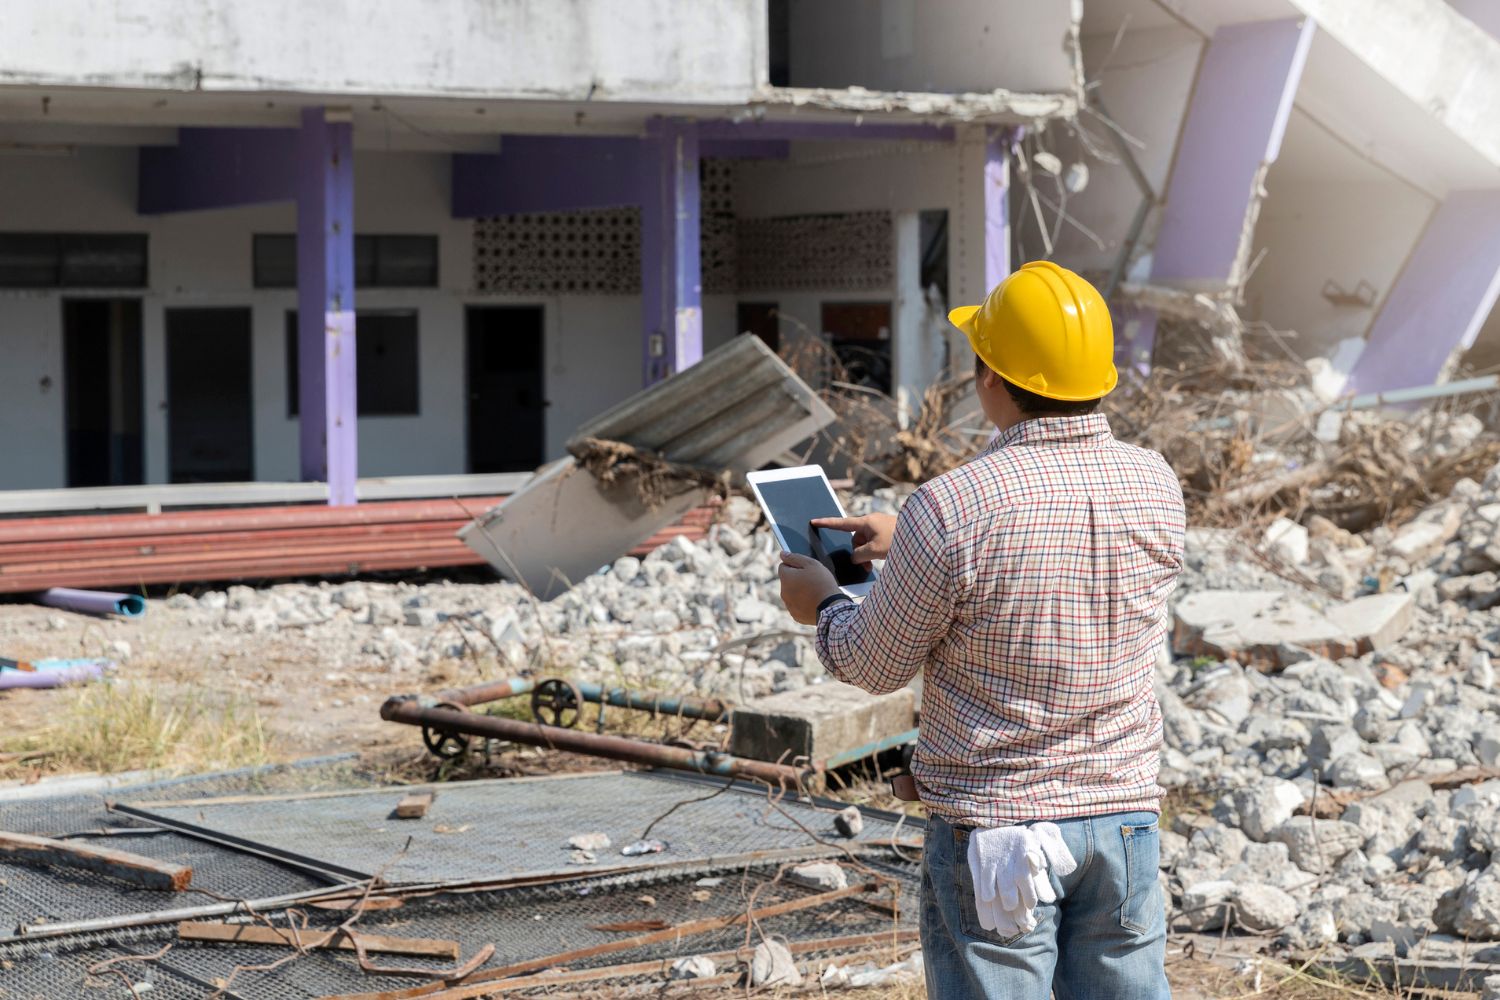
(1030, 586)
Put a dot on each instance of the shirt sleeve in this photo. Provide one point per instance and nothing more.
(880, 645)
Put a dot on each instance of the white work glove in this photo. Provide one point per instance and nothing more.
(1050, 839)
(1009, 866)
(1003, 862)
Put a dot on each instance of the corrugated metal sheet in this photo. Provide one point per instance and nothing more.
(737, 409)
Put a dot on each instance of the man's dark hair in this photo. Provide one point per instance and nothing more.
(1033, 405)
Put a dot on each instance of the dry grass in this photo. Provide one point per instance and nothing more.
(126, 726)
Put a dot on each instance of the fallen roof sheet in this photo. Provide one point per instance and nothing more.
(735, 410)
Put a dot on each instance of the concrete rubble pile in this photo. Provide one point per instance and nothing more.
(1333, 733)
(689, 618)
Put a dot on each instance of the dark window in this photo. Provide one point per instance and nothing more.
(385, 359)
(72, 260)
(274, 260)
(778, 42)
(379, 261)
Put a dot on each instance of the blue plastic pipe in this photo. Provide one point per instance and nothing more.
(94, 602)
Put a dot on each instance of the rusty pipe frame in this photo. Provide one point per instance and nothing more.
(710, 709)
(417, 710)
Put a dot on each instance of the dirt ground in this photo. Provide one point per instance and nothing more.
(188, 698)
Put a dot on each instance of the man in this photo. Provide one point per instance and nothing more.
(1030, 588)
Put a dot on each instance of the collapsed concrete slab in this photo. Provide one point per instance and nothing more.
(1267, 628)
(1376, 621)
(1254, 626)
(734, 411)
(829, 722)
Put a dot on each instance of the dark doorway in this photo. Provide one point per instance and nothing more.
(506, 423)
(860, 335)
(210, 436)
(102, 391)
(762, 319)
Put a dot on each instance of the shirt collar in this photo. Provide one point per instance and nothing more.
(1047, 430)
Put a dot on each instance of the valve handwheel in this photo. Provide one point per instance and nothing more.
(444, 744)
(556, 702)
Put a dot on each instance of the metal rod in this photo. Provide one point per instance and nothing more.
(870, 749)
(64, 928)
(480, 694)
(333, 873)
(410, 710)
(1393, 396)
(693, 708)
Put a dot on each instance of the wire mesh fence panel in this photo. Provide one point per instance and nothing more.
(525, 924)
(491, 830)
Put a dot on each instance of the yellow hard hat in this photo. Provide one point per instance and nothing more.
(1046, 330)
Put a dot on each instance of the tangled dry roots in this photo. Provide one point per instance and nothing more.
(653, 479)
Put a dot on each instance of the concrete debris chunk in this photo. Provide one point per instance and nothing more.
(1264, 807)
(1205, 905)
(1375, 622)
(594, 841)
(1264, 907)
(824, 875)
(1288, 540)
(772, 963)
(1316, 845)
(693, 967)
(849, 822)
(818, 723)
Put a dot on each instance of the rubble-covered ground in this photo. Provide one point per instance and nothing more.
(1332, 721)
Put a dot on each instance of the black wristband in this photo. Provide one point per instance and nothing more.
(830, 601)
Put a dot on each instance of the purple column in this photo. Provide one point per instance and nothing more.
(996, 207)
(1233, 132)
(1441, 299)
(325, 304)
(671, 273)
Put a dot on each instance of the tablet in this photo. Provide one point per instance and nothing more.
(791, 498)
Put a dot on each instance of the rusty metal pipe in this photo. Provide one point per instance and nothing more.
(413, 710)
(480, 694)
(710, 709)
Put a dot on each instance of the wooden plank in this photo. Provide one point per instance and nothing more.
(150, 873)
(414, 805)
(259, 934)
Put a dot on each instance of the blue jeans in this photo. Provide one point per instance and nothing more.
(1104, 939)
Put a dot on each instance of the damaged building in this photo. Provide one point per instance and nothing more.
(513, 243)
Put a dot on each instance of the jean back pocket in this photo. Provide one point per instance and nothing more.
(1142, 907)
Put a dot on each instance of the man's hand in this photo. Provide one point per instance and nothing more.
(872, 534)
(805, 583)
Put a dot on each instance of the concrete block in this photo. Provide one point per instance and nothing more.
(1254, 626)
(818, 722)
(1289, 540)
(1377, 621)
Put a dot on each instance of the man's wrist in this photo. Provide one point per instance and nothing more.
(829, 601)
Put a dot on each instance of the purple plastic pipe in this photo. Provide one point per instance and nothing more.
(50, 678)
(94, 602)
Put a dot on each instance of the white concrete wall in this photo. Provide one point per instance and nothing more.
(591, 350)
(1144, 84)
(602, 50)
(953, 46)
(1319, 229)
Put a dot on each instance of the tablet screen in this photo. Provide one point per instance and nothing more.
(795, 502)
